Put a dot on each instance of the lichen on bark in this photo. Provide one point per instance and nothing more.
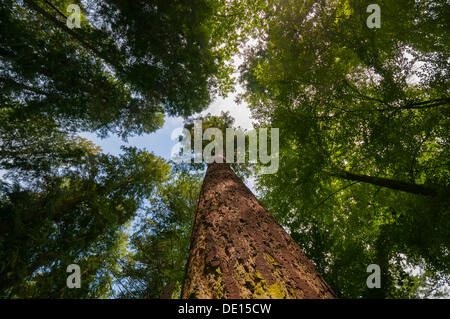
(238, 250)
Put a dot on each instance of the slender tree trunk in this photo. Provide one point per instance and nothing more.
(386, 182)
(168, 290)
(382, 255)
(238, 250)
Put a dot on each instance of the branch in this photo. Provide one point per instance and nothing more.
(385, 182)
(66, 29)
(331, 195)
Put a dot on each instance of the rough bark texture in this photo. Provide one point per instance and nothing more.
(238, 250)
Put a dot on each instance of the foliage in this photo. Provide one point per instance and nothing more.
(69, 208)
(154, 267)
(364, 138)
(127, 63)
(363, 117)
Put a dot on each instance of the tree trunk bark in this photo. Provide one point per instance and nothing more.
(168, 290)
(386, 182)
(238, 250)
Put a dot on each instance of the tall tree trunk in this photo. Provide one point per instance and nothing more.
(385, 182)
(238, 250)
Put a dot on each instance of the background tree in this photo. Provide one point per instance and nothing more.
(72, 211)
(154, 266)
(127, 63)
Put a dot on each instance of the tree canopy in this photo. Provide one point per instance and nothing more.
(127, 64)
(363, 116)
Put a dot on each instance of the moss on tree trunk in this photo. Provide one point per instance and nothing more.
(238, 250)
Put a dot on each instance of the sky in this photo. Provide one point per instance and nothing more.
(160, 142)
